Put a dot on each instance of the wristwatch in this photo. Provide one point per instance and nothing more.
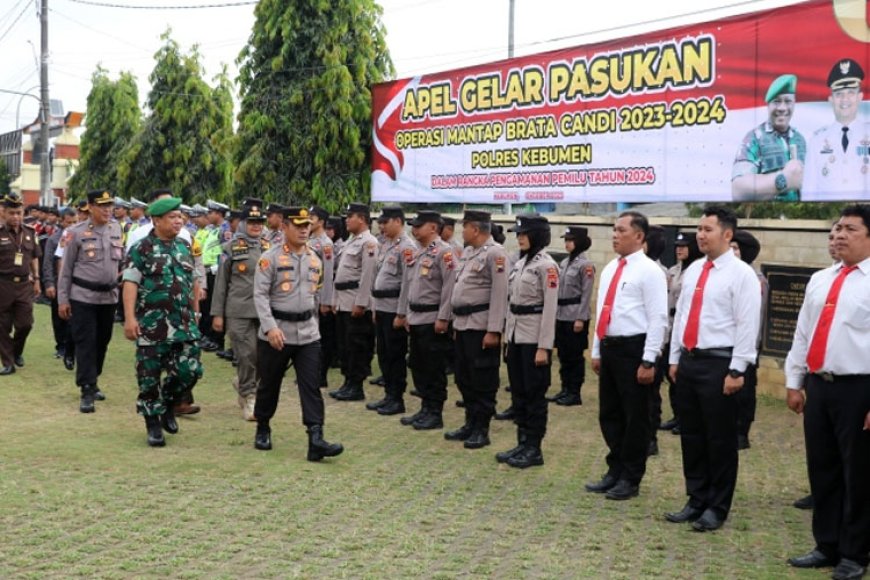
(735, 374)
(646, 364)
(780, 183)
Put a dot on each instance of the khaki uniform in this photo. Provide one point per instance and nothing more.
(325, 250)
(576, 278)
(18, 250)
(392, 257)
(534, 288)
(274, 237)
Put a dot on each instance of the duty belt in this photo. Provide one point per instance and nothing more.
(831, 377)
(393, 293)
(415, 307)
(15, 279)
(347, 285)
(567, 301)
(721, 352)
(292, 316)
(527, 308)
(470, 309)
(93, 285)
(623, 339)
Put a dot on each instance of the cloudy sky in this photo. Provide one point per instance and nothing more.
(423, 36)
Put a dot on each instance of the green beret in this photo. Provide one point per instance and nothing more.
(785, 84)
(164, 206)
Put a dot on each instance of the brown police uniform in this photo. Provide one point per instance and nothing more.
(19, 254)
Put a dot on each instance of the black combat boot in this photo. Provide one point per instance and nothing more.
(570, 399)
(263, 438)
(340, 390)
(558, 395)
(86, 405)
(529, 456)
(353, 393)
(375, 405)
(503, 456)
(409, 419)
(463, 432)
(98, 394)
(507, 415)
(167, 419)
(318, 448)
(431, 419)
(392, 407)
(155, 431)
(479, 434)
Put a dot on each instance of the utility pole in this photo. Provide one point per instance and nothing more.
(45, 108)
(508, 209)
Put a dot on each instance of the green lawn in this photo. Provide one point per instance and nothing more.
(83, 496)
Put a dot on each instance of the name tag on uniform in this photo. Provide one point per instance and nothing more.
(19, 259)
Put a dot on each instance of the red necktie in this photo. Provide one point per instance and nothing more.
(819, 343)
(607, 309)
(690, 335)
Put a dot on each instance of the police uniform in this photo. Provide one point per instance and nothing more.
(392, 343)
(285, 295)
(19, 281)
(424, 300)
(353, 287)
(163, 314)
(233, 302)
(325, 250)
(274, 237)
(576, 278)
(88, 284)
(479, 304)
(64, 345)
(212, 248)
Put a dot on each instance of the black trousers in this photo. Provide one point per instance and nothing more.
(708, 432)
(655, 395)
(570, 346)
(623, 413)
(358, 335)
(328, 344)
(205, 309)
(272, 365)
(63, 341)
(428, 362)
(392, 345)
(529, 384)
(91, 326)
(476, 374)
(747, 400)
(838, 460)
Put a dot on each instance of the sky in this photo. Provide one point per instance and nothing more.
(423, 36)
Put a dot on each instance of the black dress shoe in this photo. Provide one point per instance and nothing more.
(603, 485)
(688, 514)
(375, 405)
(460, 434)
(528, 457)
(804, 503)
(569, 400)
(263, 439)
(668, 425)
(379, 381)
(848, 570)
(507, 415)
(812, 559)
(19, 361)
(428, 421)
(392, 407)
(69, 362)
(98, 395)
(708, 522)
(10, 370)
(623, 490)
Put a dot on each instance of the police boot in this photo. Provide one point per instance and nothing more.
(167, 419)
(318, 448)
(340, 390)
(558, 395)
(529, 456)
(503, 456)
(431, 419)
(393, 406)
(463, 432)
(353, 393)
(86, 405)
(570, 399)
(409, 419)
(375, 405)
(98, 394)
(507, 415)
(479, 434)
(263, 438)
(155, 431)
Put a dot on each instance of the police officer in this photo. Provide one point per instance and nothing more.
(217, 233)
(838, 155)
(353, 287)
(64, 345)
(424, 305)
(323, 246)
(232, 304)
(87, 290)
(273, 232)
(576, 278)
(392, 337)
(479, 303)
(160, 289)
(19, 282)
(285, 294)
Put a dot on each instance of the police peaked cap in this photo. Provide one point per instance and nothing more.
(121, 202)
(12, 200)
(390, 212)
(476, 215)
(253, 209)
(212, 205)
(100, 197)
(298, 215)
(845, 74)
(358, 208)
(137, 203)
(426, 216)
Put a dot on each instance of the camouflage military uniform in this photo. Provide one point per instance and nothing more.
(164, 272)
(765, 150)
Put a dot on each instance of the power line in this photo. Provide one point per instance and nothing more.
(182, 7)
(9, 12)
(14, 22)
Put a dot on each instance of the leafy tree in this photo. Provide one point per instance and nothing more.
(305, 122)
(780, 209)
(5, 178)
(112, 120)
(183, 143)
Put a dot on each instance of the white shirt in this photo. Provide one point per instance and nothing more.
(848, 347)
(831, 174)
(145, 229)
(730, 312)
(640, 305)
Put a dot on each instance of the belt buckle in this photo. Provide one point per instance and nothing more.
(16, 279)
(826, 376)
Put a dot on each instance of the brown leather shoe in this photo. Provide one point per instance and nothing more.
(186, 409)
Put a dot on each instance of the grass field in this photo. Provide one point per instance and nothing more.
(83, 496)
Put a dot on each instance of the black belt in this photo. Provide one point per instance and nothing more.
(470, 309)
(347, 285)
(15, 279)
(831, 377)
(292, 316)
(721, 352)
(93, 285)
(415, 307)
(394, 293)
(526, 308)
(625, 339)
(567, 301)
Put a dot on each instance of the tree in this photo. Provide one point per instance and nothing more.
(305, 122)
(112, 120)
(184, 142)
(5, 179)
(779, 210)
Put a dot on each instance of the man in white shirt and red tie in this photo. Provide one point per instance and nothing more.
(827, 374)
(712, 343)
(632, 318)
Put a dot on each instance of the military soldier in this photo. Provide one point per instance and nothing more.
(325, 249)
(353, 287)
(285, 294)
(576, 278)
(479, 303)
(232, 305)
(274, 217)
(160, 315)
(424, 305)
(392, 338)
(19, 283)
(87, 291)
(838, 156)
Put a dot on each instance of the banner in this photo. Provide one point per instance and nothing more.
(748, 108)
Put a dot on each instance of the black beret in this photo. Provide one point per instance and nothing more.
(390, 212)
